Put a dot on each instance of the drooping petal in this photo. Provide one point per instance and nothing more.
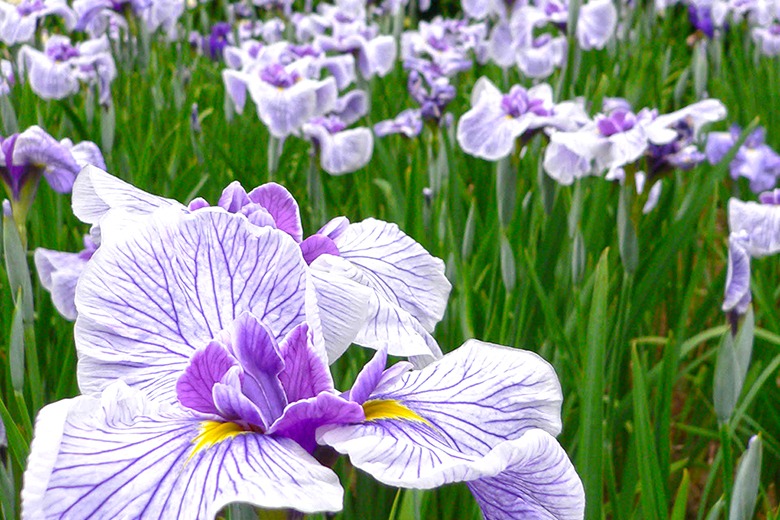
(398, 268)
(123, 457)
(95, 192)
(527, 477)
(342, 152)
(35, 147)
(336, 308)
(538, 482)
(385, 324)
(596, 24)
(148, 302)
(59, 272)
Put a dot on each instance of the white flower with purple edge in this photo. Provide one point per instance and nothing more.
(285, 97)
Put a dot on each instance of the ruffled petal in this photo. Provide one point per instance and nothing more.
(122, 457)
(398, 268)
(148, 302)
(59, 272)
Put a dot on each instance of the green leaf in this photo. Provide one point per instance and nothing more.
(16, 345)
(591, 453)
(16, 267)
(680, 503)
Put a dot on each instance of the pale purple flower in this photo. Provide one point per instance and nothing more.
(380, 274)
(409, 123)
(340, 149)
(446, 44)
(495, 121)
(59, 271)
(222, 393)
(97, 16)
(59, 71)
(18, 20)
(285, 98)
(755, 160)
(27, 156)
(768, 39)
(375, 54)
(754, 233)
(607, 144)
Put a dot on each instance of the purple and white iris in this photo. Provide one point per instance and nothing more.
(18, 20)
(27, 156)
(286, 96)
(340, 149)
(59, 70)
(755, 160)
(754, 233)
(495, 121)
(205, 384)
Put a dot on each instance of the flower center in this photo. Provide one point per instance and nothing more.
(617, 122)
(277, 76)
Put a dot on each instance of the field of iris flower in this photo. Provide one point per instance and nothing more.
(259, 258)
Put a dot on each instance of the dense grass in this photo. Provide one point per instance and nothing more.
(635, 352)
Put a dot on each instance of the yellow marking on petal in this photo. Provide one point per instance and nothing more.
(389, 409)
(214, 432)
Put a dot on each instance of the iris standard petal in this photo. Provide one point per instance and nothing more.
(146, 303)
(207, 367)
(306, 372)
(282, 206)
(123, 457)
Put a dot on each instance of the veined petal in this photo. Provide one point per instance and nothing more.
(758, 223)
(482, 394)
(207, 367)
(282, 206)
(382, 324)
(59, 272)
(148, 302)
(95, 192)
(336, 308)
(737, 293)
(528, 477)
(306, 372)
(539, 482)
(397, 268)
(123, 457)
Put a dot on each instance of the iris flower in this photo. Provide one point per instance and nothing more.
(204, 384)
(371, 269)
(495, 121)
(18, 20)
(59, 71)
(755, 160)
(27, 156)
(754, 233)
